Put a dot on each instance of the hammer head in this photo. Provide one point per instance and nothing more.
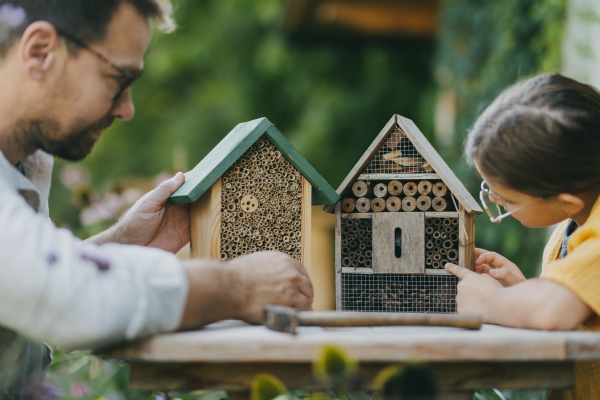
(281, 319)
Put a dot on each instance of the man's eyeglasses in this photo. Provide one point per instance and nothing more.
(126, 79)
(489, 201)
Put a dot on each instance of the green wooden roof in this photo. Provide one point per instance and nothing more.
(232, 147)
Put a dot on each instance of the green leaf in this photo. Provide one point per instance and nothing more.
(267, 387)
(333, 363)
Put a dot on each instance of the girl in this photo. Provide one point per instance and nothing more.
(537, 147)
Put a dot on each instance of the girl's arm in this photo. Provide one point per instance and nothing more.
(535, 304)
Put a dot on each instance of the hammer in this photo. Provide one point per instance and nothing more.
(286, 319)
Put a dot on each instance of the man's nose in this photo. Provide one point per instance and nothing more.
(123, 107)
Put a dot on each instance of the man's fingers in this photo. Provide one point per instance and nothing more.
(168, 187)
(460, 272)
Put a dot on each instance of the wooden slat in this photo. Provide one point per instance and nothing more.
(305, 226)
(338, 256)
(412, 260)
(235, 342)
(232, 147)
(391, 177)
(205, 224)
(359, 270)
(448, 376)
(466, 239)
(357, 215)
(441, 215)
(363, 162)
(439, 165)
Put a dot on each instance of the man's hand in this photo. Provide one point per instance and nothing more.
(498, 267)
(241, 288)
(473, 291)
(152, 221)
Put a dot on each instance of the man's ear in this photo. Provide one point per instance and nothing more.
(570, 203)
(37, 49)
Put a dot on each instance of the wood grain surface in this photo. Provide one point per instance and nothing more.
(412, 259)
(205, 224)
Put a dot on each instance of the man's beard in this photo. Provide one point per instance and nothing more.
(45, 135)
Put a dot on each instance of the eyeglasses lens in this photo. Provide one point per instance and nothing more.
(490, 206)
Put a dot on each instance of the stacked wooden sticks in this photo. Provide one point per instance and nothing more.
(395, 196)
(441, 244)
(357, 242)
(399, 293)
(272, 219)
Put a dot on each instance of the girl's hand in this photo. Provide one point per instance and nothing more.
(498, 267)
(473, 290)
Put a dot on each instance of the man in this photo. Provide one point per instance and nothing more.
(66, 67)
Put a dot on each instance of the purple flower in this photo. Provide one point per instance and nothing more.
(12, 16)
(102, 264)
(51, 258)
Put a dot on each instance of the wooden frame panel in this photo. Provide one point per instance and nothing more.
(466, 239)
(305, 227)
(205, 224)
(412, 260)
(338, 256)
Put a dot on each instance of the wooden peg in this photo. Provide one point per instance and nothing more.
(409, 204)
(425, 187)
(348, 205)
(410, 188)
(395, 188)
(363, 205)
(439, 189)
(393, 204)
(361, 189)
(378, 204)
(380, 190)
(424, 203)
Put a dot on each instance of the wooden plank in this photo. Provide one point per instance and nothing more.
(232, 147)
(205, 224)
(338, 256)
(322, 193)
(364, 161)
(305, 226)
(466, 239)
(359, 270)
(391, 177)
(448, 376)
(412, 259)
(357, 215)
(450, 214)
(439, 165)
(236, 342)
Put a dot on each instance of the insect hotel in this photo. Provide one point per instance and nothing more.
(401, 217)
(252, 192)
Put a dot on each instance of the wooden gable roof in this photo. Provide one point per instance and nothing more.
(232, 147)
(426, 151)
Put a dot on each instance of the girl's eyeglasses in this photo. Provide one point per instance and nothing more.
(489, 201)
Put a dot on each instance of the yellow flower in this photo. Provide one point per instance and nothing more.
(267, 387)
(333, 363)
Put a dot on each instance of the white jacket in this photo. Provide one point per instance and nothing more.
(58, 289)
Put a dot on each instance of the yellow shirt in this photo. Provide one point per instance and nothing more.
(580, 272)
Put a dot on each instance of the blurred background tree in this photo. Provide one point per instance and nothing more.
(330, 91)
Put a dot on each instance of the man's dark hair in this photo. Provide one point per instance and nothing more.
(541, 137)
(86, 19)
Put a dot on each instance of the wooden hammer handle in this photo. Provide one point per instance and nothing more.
(356, 319)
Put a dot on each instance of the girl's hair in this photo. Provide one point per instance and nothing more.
(540, 137)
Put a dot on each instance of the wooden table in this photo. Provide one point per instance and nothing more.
(228, 355)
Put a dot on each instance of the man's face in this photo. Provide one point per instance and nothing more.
(79, 95)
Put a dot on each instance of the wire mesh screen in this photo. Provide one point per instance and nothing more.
(399, 293)
(357, 250)
(397, 156)
(441, 242)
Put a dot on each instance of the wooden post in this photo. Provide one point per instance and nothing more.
(466, 239)
(205, 224)
(305, 226)
(338, 256)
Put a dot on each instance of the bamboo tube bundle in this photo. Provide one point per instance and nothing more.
(380, 190)
(393, 204)
(395, 188)
(356, 242)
